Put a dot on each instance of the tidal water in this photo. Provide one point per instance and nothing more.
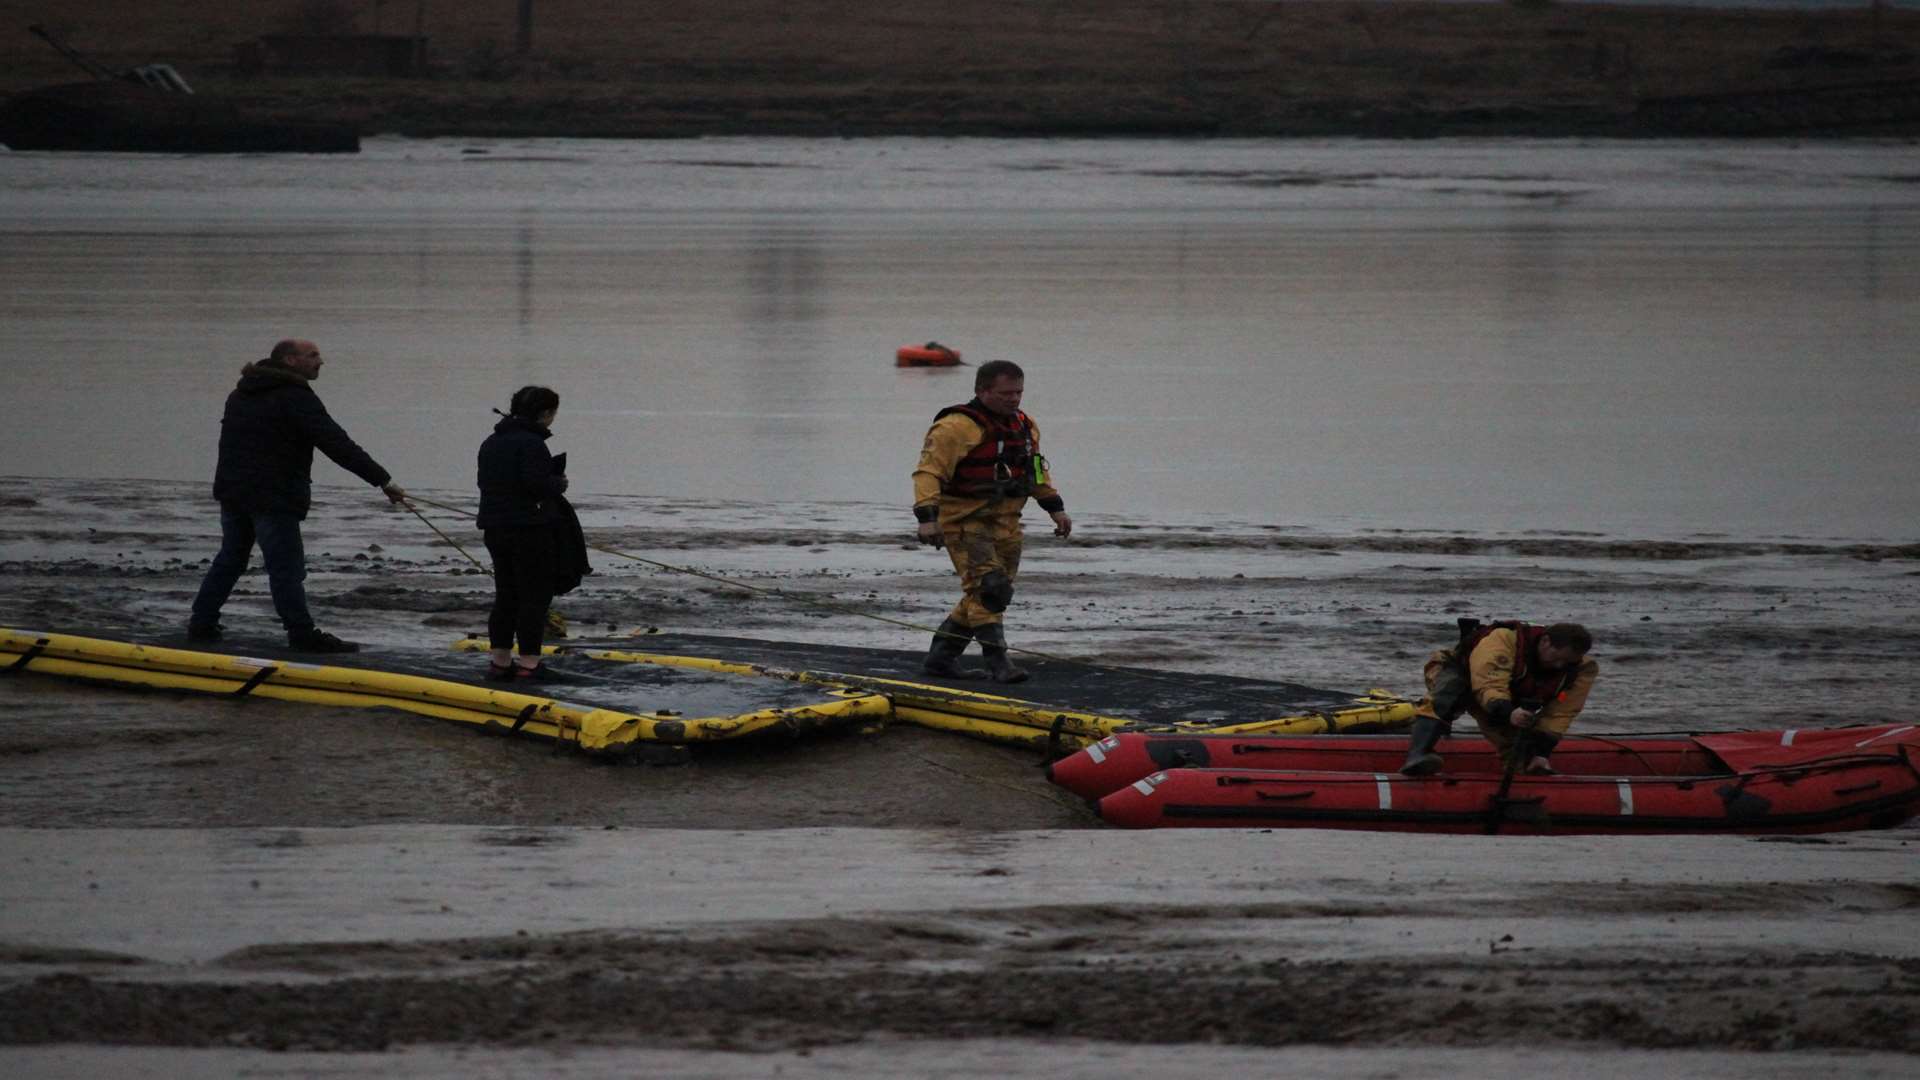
(1634, 339)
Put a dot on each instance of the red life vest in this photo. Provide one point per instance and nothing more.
(1531, 688)
(1001, 464)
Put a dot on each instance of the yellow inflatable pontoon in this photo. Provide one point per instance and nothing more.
(594, 728)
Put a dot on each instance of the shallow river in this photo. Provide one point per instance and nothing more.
(1646, 340)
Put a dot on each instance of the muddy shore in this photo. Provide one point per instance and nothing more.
(217, 886)
(986, 67)
(783, 940)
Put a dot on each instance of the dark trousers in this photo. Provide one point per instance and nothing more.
(523, 572)
(280, 548)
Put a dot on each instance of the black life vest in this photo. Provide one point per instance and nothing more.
(1531, 687)
(1001, 465)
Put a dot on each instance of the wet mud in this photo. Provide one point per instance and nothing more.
(1060, 973)
(1783, 946)
(1779, 957)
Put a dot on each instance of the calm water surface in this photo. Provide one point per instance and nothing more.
(1645, 339)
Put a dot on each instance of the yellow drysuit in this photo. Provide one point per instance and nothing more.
(981, 534)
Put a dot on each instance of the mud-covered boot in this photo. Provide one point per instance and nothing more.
(944, 654)
(993, 646)
(1421, 760)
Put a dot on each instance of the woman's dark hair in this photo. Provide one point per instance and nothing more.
(530, 401)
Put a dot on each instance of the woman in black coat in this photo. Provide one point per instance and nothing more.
(519, 495)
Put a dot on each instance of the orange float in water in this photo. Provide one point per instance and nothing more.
(932, 354)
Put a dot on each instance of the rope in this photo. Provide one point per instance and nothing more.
(415, 511)
(617, 553)
(843, 609)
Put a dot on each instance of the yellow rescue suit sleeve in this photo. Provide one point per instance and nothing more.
(1490, 668)
(951, 438)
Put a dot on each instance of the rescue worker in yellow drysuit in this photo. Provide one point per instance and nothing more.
(1523, 684)
(979, 464)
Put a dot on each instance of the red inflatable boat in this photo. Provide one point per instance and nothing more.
(1118, 760)
(1797, 781)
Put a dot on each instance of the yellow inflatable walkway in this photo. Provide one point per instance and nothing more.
(1028, 722)
(590, 728)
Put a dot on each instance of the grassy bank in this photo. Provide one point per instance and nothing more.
(1237, 67)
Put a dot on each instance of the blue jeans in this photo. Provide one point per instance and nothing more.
(280, 548)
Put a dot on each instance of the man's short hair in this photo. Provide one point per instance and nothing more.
(992, 370)
(284, 349)
(1567, 635)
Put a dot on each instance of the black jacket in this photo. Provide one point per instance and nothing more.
(273, 422)
(518, 482)
(569, 546)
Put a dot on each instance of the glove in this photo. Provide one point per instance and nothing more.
(394, 492)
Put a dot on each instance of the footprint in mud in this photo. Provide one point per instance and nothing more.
(522, 838)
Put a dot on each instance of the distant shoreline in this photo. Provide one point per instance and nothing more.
(859, 68)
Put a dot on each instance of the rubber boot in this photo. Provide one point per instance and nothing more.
(993, 646)
(948, 643)
(1421, 760)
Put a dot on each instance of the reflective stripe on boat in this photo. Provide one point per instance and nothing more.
(1626, 798)
(1386, 790)
(1097, 754)
(1786, 737)
(1143, 787)
(1887, 734)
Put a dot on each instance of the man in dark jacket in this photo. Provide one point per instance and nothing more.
(272, 424)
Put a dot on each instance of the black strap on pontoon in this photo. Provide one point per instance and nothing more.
(259, 677)
(526, 714)
(27, 657)
(1053, 738)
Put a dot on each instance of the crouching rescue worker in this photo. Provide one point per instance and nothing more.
(979, 465)
(1524, 684)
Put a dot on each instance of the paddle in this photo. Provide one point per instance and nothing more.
(1496, 806)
